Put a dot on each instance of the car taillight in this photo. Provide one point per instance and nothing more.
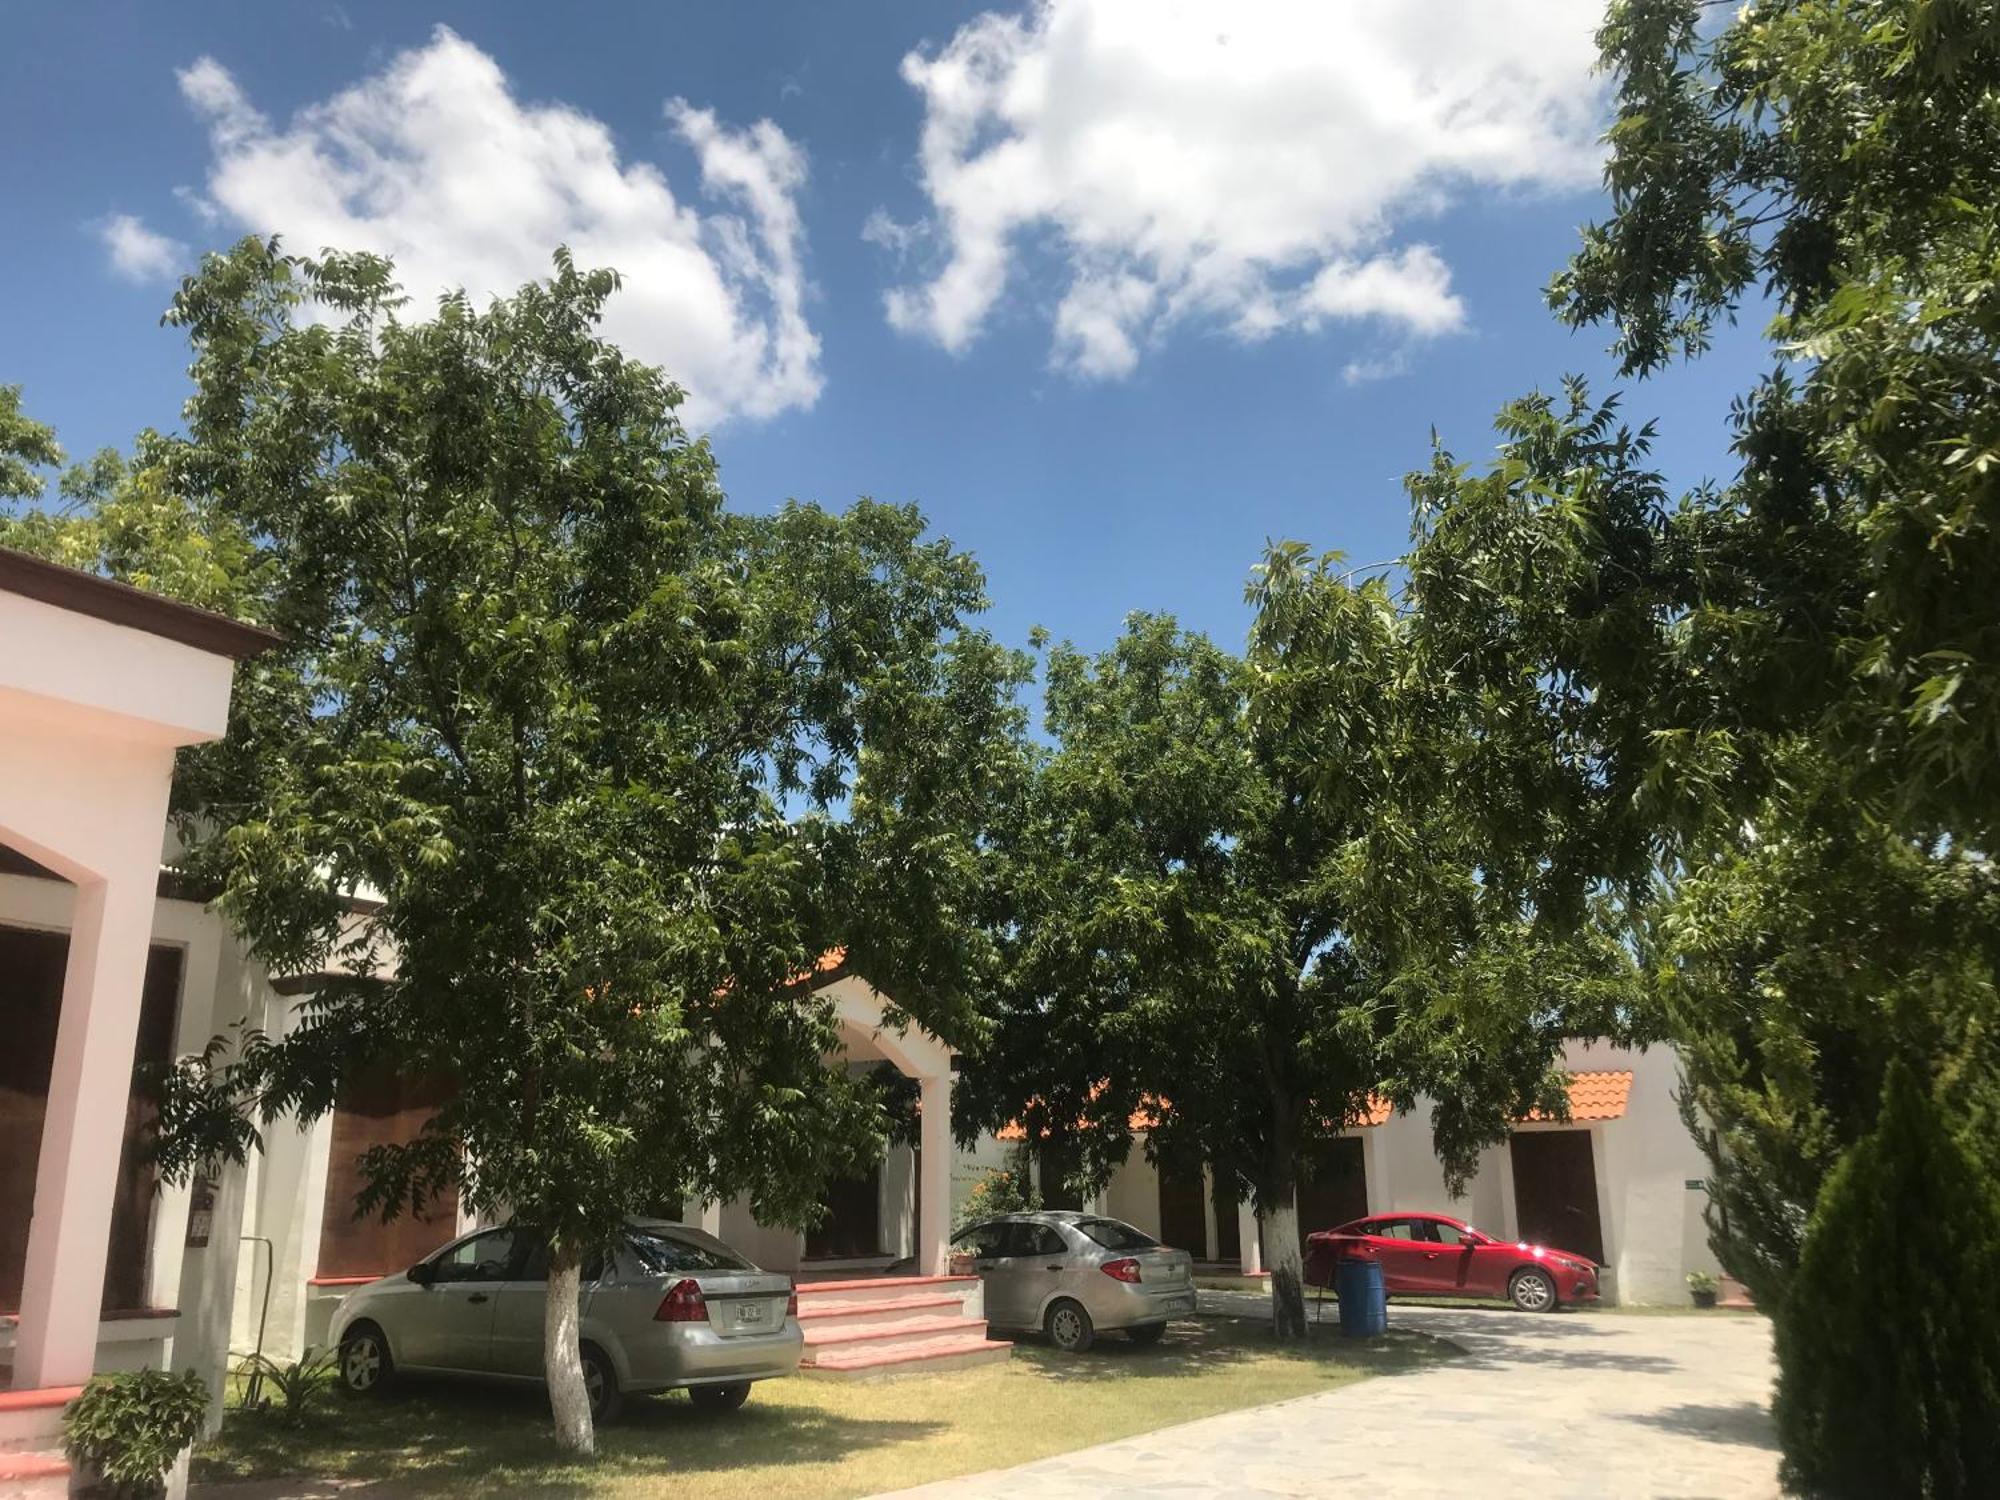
(792, 1304)
(682, 1304)
(1122, 1270)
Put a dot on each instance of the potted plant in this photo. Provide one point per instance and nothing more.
(129, 1434)
(1703, 1287)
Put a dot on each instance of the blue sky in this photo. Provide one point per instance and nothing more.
(1159, 287)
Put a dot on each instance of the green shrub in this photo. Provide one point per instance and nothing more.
(290, 1391)
(998, 1192)
(1889, 1337)
(131, 1428)
(1703, 1283)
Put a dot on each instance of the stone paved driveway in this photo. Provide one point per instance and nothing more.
(1571, 1406)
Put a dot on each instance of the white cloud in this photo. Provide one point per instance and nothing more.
(434, 162)
(139, 253)
(1256, 167)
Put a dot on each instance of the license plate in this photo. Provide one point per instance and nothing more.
(1179, 1304)
(749, 1312)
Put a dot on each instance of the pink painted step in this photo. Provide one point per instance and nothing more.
(946, 1352)
(32, 1420)
(834, 1310)
(33, 1476)
(881, 1339)
(869, 1284)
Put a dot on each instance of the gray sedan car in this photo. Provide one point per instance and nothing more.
(1071, 1275)
(667, 1306)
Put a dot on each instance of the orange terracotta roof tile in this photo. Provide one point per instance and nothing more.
(1593, 1096)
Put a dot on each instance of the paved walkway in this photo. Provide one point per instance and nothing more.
(1570, 1406)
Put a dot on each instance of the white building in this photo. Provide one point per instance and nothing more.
(1621, 1181)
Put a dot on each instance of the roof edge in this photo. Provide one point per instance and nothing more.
(134, 608)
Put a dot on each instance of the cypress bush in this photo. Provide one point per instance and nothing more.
(1889, 1337)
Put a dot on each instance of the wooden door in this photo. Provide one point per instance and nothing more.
(1183, 1211)
(1333, 1187)
(379, 1106)
(1555, 1191)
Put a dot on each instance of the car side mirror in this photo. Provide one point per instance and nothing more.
(423, 1273)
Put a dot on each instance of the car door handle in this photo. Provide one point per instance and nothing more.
(1051, 1268)
(1430, 1255)
(477, 1297)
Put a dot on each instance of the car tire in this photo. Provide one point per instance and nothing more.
(366, 1368)
(600, 1384)
(719, 1397)
(1146, 1333)
(1533, 1290)
(1069, 1327)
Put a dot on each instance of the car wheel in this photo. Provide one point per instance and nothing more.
(365, 1366)
(1069, 1327)
(600, 1384)
(1532, 1290)
(1146, 1333)
(719, 1397)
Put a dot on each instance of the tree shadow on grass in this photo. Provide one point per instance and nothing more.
(438, 1439)
(1203, 1345)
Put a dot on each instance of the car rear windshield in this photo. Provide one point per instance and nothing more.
(664, 1253)
(1113, 1235)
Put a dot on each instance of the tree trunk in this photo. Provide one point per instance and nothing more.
(562, 1359)
(1283, 1260)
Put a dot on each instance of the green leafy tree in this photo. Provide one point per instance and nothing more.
(611, 764)
(1889, 1368)
(1208, 937)
(1764, 712)
(26, 446)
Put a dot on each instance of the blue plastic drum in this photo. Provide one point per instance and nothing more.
(1364, 1302)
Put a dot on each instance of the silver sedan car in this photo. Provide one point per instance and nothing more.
(667, 1306)
(1071, 1275)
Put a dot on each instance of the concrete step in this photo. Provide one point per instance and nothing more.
(32, 1420)
(930, 1356)
(33, 1476)
(889, 1337)
(833, 1312)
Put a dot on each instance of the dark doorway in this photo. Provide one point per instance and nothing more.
(1555, 1191)
(852, 1228)
(378, 1106)
(1228, 1225)
(31, 984)
(1058, 1165)
(1183, 1211)
(1333, 1185)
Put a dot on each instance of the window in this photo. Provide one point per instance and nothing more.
(484, 1257)
(535, 1266)
(1026, 1238)
(983, 1240)
(1047, 1240)
(681, 1252)
(1448, 1234)
(1113, 1234)
(1394, 1229)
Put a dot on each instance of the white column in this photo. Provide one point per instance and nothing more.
(1246, 1232)
(62, 1287)
(710, 1220)
(934, 1180)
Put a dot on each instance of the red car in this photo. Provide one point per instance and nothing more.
(1431, 1255)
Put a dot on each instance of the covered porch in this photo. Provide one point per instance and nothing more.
(100, 686)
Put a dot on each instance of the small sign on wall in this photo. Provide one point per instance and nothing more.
(1697, 1184)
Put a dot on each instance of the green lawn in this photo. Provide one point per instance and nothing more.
(802, 1436)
